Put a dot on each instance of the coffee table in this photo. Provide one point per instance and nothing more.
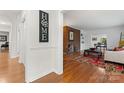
(91, 52)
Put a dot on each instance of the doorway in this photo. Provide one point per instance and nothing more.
(11, 71)
(4, 41)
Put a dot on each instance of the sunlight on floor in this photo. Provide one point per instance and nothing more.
(101, 70)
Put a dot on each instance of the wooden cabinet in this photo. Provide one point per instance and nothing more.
(67, 43)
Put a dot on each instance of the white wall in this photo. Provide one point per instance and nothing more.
(21, 37)
(113, 36)
(58, 67)
(5, 28)
(14, 36)
(13, 40)
(42, 58)
(98, 36)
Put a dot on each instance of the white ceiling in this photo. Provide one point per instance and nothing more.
(10, 13)
(93, 19)
(6, 16)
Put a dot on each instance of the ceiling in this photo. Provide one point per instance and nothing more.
(6, 16)
(94, 19)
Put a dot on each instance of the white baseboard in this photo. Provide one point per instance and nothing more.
(57, 72)
(39, 75)
(14, 55)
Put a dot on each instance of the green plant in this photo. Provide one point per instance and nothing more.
(103, 40)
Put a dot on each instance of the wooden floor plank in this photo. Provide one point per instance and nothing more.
(11, 71)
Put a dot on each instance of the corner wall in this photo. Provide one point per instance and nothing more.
(13, 40)
(42, 58)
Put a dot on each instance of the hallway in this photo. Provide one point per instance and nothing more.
(25, 42)
(10, 70)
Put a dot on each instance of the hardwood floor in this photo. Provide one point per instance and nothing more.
(74, 72)
(10, 70)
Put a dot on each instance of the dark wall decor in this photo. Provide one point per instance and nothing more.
(82, 37)
(43, 26)
(94, 38)
(3, 38)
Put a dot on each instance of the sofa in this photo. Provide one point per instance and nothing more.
(114, 56)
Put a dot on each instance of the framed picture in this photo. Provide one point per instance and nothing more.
(82, 42)
(94, 38)
(3, 38)
(43, 26)
(71, 35)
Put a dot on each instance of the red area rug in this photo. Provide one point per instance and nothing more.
(113, 71)
(109, 67)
